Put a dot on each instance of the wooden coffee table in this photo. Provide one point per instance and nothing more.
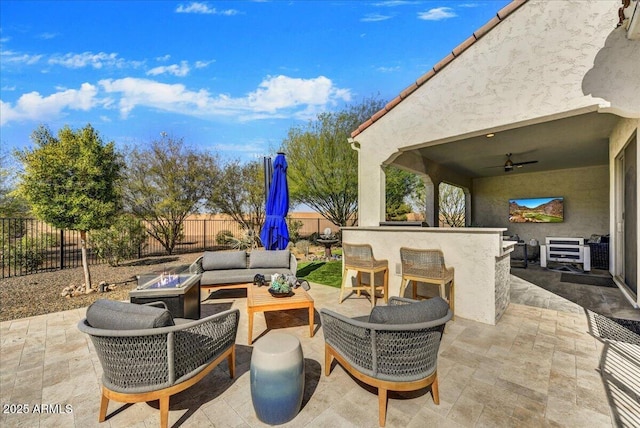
(260, 300)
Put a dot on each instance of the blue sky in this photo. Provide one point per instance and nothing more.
(532, 202)
(231, 77)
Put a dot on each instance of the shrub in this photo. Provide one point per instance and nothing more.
(120, 242)
(303, 246)
(13, 228)
(26, 252)
(294, 227)
(223, 237)
(249, 239)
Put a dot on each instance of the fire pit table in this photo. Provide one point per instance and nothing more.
(180, 292)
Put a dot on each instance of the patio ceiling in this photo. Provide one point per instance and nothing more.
(572, 142)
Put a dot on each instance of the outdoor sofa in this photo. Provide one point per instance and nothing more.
(235, 269)
(148, 355)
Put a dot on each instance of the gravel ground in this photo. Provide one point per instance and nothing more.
(40, 293)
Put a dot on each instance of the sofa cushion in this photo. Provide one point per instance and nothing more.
(222, 260)
(237, 276)
(412, 313)
(269, 259)
(113, 315)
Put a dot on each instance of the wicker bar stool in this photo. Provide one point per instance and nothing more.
(359, 257)
(426, 266)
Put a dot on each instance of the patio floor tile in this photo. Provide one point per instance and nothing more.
(540, 366)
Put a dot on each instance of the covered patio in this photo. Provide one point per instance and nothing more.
(542, 101)
(553, 366)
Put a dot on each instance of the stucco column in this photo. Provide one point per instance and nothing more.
(371, 191)
(432, 206)
(467, 207)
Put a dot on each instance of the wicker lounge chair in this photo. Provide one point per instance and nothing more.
(395, 349)
(359, 257)
(427, 266)
(145, 357)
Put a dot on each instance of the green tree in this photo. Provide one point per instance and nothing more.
(452, 205)
(166, 183)
(11, 204)
(72, 181)
(401, 185)
(323, 168)
(239, 193)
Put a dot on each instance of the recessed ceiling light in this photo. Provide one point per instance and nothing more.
(490, 135)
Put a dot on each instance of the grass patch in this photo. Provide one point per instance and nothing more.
(326, 273)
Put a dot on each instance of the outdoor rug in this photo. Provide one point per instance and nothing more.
(617, 329)
(601, 281)
(631, 325)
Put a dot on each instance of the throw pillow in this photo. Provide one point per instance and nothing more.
(412, 313)
(114, 315)
(223, 260)
(269, 259)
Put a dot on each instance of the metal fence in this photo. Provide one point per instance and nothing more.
(30, 245)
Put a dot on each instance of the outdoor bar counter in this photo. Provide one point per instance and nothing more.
(479, 256)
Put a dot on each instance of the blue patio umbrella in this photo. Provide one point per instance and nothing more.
(274, 234)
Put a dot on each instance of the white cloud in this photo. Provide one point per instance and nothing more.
(143, 92)
(281, 92)
(394, 3)
(388, 69)
(437, 14)
(33, 106)
(166, 57)
(47, 36)
(203, 8)
(13, 57)
(374, 17)
(275, 97)
(468, 5)
(175, 69)
(87, 59)
(204, 64)
(278, 96)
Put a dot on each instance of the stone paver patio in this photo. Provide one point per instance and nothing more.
(537, 367)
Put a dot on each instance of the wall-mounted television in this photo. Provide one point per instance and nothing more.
(536, 210)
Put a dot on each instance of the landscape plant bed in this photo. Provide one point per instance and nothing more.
(40, 293)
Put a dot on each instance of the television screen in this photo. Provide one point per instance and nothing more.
(536, 210)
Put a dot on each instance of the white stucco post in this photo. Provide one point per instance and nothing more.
(467, 207)
(371, 191)
(432, 206)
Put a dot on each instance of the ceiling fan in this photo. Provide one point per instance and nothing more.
(509, 164)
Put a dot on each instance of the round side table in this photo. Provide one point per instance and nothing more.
(277, 378)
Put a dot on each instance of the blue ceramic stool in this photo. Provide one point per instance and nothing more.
(277, 378)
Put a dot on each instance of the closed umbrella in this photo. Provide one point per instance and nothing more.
(274, 234)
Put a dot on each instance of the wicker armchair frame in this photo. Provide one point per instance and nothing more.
(154, 364)
(359, 257)
(396, 357)
(427, 266)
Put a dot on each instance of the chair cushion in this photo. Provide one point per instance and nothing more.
(114, 315)
(413, 313)
(222, 260)
(269, 259)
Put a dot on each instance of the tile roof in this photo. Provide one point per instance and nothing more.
(500, 16)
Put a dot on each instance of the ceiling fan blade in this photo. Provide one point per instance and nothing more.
(524, 163)
(520, 164)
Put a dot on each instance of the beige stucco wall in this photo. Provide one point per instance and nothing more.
(547, 60)
(477, 256)
(586, 201)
